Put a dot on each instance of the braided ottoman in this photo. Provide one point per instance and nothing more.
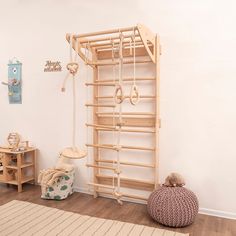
(173, 206)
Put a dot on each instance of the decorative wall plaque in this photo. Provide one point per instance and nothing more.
(52, 66)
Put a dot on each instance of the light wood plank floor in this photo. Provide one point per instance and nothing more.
(109, 209)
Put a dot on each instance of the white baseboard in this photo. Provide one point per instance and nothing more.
(204, 211)
(222, 214)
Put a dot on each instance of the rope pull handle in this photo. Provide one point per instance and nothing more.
(119, 95)
(134, 95)
(72, 67)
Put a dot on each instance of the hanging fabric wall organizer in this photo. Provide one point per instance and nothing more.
(14, 81)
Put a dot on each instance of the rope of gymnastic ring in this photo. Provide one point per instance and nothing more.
(119, 95)
(134, 92)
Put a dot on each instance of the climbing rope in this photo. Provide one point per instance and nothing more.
(73, 152)
(117, 194)
(113, 115)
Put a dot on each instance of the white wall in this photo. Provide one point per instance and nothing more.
(197, 83)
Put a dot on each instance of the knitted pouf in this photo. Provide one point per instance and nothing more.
(173, 206)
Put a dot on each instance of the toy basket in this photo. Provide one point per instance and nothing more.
(62, 189)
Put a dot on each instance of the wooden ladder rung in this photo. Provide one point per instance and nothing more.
(107, 46)
(114, 128)
(127, 163)
(127, 113)
(99, 105)
(117, 63)
(137, 148)
(103, 63)
(128, 130)
(113, 147)
(138, 61)
(101, 126)
(100, 84)
(101, 167)
(126, 97)
(101, 185)
(106, 32)
(125, 80)
(102, 146)
(106, 38)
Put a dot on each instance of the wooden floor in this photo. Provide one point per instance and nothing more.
(109, 209)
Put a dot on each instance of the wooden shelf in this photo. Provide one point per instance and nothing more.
(25, 165)
(23, 180)
(8, 151)
(15, 166)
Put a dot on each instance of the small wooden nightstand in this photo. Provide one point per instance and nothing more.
(17, 167)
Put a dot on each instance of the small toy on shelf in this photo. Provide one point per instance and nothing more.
(15, 143)
(13, 140)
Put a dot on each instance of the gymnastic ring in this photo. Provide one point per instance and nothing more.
(119, 97)
(134, 95)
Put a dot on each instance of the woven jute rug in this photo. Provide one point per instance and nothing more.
(24, 218)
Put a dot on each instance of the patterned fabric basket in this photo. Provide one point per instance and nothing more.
(62, 189)
(173, 206)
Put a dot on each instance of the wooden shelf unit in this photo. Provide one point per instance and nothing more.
(101, 50)
(18, 167)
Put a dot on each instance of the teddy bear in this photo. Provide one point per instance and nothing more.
(174, 180)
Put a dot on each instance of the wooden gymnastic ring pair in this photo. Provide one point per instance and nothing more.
(119, 96)
(134, 95)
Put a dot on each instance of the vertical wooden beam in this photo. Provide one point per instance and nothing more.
(4, 164)
(34, 156)
(157, 110)
(95, 121)
(19, 171)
